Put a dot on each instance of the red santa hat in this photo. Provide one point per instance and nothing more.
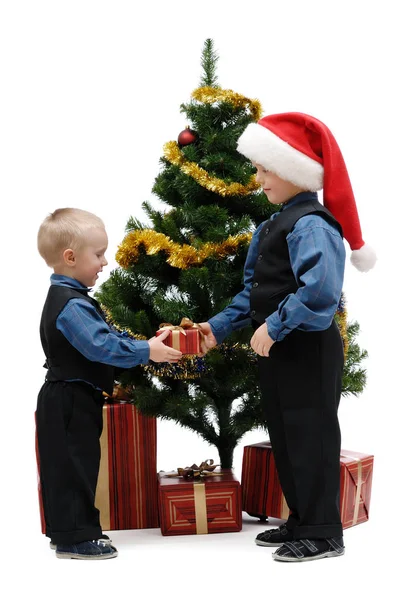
(302, 150)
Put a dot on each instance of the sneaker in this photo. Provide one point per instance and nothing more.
(91, 550)
(103, 537)
(274, 537)
(304, 550)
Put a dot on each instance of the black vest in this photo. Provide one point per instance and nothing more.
(273, 277)
(63, 361)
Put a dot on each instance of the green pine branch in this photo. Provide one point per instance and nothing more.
(208, 63)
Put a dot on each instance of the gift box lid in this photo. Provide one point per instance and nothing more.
(350, 456)
(168, 480)
(266, 444)
(346, 456)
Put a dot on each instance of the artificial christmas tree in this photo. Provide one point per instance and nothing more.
(189, 263)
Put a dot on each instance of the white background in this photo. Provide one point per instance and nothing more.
(90, 92)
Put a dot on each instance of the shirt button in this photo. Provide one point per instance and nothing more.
(252, 313)
(260, 257)
(267, 231)
(255, 284)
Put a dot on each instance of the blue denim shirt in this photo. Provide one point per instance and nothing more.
(317, 256)
(84, 328)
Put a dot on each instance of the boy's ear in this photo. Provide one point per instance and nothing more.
(69, 257)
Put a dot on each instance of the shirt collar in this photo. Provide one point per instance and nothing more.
(299, 198)
(56, 279)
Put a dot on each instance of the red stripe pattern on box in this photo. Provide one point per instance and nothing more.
(188, 341)
(127, 484)
(262, 496)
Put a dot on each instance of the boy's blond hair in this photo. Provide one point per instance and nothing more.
(62, 229)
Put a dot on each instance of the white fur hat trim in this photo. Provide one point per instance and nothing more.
(263, 147)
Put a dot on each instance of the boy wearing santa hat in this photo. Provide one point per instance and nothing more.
(293, 280)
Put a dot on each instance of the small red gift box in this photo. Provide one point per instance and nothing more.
(262, 495)
(185, 337)
(126, 494)
(206, 505)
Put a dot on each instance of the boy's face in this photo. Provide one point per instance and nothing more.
(90, 259)
(277, 190)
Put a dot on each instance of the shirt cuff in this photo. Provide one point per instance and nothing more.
(221, 327)
(275, 328)
(142, 351)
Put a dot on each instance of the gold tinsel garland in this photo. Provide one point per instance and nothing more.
(112, 323)
(209, 95)
(174, 155)
(341, 317)
(179, 256)
(193, 367)
(188, 367)
(172, 152)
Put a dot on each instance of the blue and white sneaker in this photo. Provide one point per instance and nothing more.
(91, 550)
(103, 537)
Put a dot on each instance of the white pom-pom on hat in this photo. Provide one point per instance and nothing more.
(364, 258)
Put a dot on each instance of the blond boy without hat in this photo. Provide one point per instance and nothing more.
(82, 352)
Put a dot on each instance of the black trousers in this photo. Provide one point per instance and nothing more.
(301, 386)
(69, 425)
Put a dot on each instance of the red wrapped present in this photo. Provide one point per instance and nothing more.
(355, 487)
(197, 505)
(262, 495)
(126, 494)
(184, 337)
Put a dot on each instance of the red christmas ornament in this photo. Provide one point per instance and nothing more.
(187, 136)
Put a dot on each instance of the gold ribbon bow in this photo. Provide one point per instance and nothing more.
(121, 394)
(171, 327)
(197, 473)
(183, 325)
(205, 469)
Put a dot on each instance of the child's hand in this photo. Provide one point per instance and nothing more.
(209, 340)
(161, 353)
(261, 342)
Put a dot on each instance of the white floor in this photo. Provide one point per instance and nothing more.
(215, 566)
(209, 566)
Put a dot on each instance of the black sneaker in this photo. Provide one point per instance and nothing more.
(103, 537)
(304, 550)
(274, 537)
(92, 550)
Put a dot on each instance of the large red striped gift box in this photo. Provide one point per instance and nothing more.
(262, 496)
(126, 493)
(211, 504)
